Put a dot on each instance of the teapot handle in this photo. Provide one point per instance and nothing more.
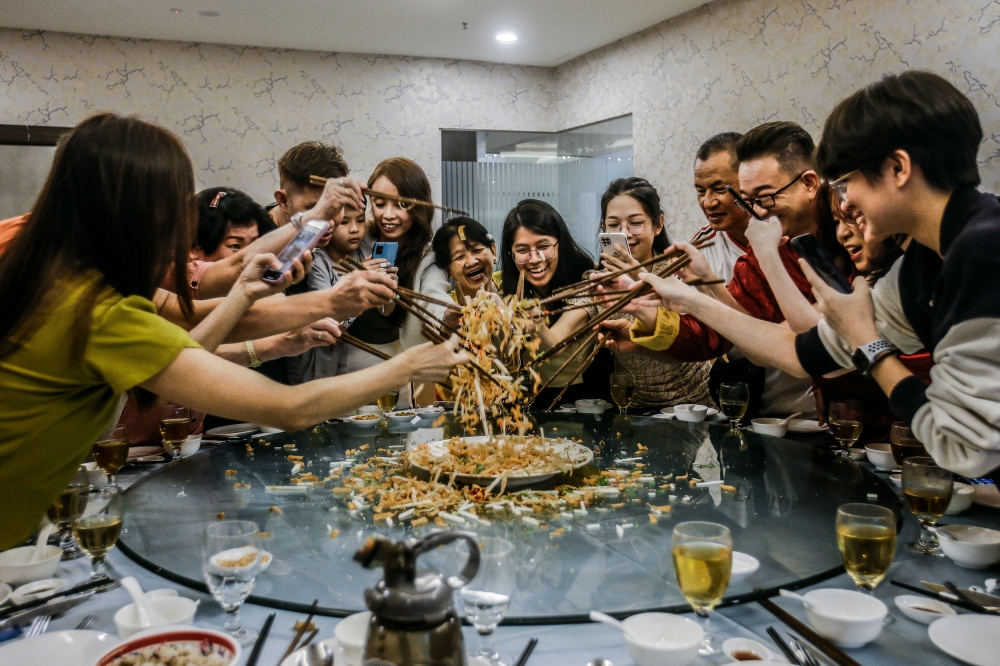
(443, 538)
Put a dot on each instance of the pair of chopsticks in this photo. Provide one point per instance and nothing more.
(528, 649)
(600, 297)
(76, 589)
(320, 181)
(302, 630)
(963, 601)
(837, 655)
(261, 639)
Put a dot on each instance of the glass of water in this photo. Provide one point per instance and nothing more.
(230, 565)
(486, 597)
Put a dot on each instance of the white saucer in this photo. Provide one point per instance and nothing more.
(743, 565)
(30, 591)
(974, 639)
(662, 416)
(65, 648)
(234, 430)
(805, 426)
(5, 593)
(297, 658)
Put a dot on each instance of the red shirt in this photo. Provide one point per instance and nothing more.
(697, 342)
(9, 229)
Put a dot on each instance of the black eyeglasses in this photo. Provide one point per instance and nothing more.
(766, 201)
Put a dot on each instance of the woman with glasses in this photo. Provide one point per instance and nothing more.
(537, 243)
(632, 206)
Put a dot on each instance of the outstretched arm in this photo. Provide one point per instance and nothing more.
(765, 238)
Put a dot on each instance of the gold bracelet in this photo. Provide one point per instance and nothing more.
(254, 361)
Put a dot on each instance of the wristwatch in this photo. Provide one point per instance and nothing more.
(296, 220)
(866, 356)
(252, 353)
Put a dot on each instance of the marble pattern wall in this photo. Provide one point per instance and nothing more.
(732, 64)
(239, 108)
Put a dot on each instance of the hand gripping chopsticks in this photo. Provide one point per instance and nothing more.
(321, 182)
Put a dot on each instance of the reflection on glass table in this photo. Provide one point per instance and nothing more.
(778, 498)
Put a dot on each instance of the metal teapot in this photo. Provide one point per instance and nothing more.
(413, 619)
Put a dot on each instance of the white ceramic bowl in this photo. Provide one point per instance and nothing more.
(975, 547)
(190, 446)
(352, 632)
(773, 427)
(912, 607)
(15, 570)
(221, 643)
(95, 475)
(743, 566)
(402, 416)
(897, 479)
(591, 406)
(662, 639)
(173, 610)
(881, 456)
(848, 618)
(857, 455)
(961, 498)
(364, 422)
(737, 649)
(690, 413)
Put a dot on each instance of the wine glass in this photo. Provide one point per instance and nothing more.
(97, 530)
(927, 489)
(866, 537)
(903, 444)
(622, 389)
(68, 507)
(733, 401)
(486, 597)
(846, 422)
(387, 403)
(175, 426)
(703, 562)
(111, 452)
(230, 564)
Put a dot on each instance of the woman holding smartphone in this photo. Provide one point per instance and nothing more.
(117, 214)
(389, 328)
(631, 206)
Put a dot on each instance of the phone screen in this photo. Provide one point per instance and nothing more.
(808, 248)
(305, 240)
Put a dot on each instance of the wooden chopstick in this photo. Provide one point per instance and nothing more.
(364, 346)
(261, 639)
(321, 181)
(520, 286)
(300, 632)
(825, 646)
(579, 371)
(958, 603)
(429, 299)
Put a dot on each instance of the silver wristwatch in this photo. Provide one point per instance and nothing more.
(296, 221)
(866, 356)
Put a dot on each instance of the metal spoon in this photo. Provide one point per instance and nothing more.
(318, 654)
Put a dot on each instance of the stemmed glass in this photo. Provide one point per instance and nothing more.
(175, 426)
(486, 597)
(927, 489)
(866, 537)
(387, 403)
(703, 562)
(111, 452)
(67, 508)
(230, 564)
(733, 401)
(846, 422)
(622, 389)
(97, 530)
(903, 444)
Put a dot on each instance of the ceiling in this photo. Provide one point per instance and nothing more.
(549, 32)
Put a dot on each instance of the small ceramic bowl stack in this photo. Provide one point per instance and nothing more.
(690, 413)
(881, 456)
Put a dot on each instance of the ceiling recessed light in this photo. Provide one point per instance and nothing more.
(209, 14)
(506, 37)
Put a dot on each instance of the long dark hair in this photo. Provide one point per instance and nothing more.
(410, 181)
(119, 200)
(647, 196)
(541, 218)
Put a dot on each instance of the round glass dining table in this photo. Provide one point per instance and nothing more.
(778, 497)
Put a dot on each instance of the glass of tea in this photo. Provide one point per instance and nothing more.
(846, 420)
(703, 562)
(866, 537)
(175, 426)
(97, 530)
(927, 489)
(111, 452)
(68, 507)
(622, 389)
(733, 401)
(903, 444)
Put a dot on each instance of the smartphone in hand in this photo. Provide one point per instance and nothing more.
(386, 252)
(305, 240)
(608, 241)
(808, 248)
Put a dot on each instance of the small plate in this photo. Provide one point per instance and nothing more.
(142, 451)
(665, 417)
(147, 459)
(66, 648)
(40, 589)
(298, 658)
(234, 431)
(743, 565)
(805, 426)
(974, 639)
(912, 607)
(363, 423)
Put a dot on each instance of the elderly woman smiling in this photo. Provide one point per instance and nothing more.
(467, 252)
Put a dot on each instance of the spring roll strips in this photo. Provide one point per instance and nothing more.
(499, 334)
